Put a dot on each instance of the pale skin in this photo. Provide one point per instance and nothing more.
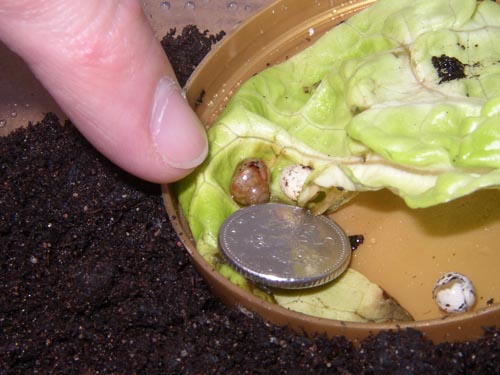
(103, 65)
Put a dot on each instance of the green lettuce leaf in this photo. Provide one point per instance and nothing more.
(404, 95)
(351, 297)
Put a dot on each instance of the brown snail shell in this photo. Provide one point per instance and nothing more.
(250, 182)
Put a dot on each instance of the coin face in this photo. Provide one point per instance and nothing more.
(284, 246)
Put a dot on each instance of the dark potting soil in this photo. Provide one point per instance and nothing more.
(93, 280)
(187, 49)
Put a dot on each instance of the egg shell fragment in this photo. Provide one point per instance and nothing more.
(454, 293)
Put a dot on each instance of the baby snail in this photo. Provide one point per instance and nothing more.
(454, 292)
(292, 179)
(250, 182)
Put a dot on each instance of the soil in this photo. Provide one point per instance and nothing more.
(93, 280)
(186, 50)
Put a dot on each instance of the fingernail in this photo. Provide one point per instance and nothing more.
(177, 133)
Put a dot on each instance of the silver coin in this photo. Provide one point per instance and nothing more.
(284, 246)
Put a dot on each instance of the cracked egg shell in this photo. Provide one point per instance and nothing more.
(454, 293)
(292, 179)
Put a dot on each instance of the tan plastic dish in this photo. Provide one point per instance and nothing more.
(405, 251)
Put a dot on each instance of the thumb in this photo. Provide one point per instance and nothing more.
(103, 65)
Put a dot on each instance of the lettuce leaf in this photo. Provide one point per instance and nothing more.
(405, 95)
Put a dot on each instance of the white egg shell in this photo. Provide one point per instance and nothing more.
(454, 292)
(292, 179)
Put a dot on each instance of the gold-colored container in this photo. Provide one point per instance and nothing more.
(405, 250)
